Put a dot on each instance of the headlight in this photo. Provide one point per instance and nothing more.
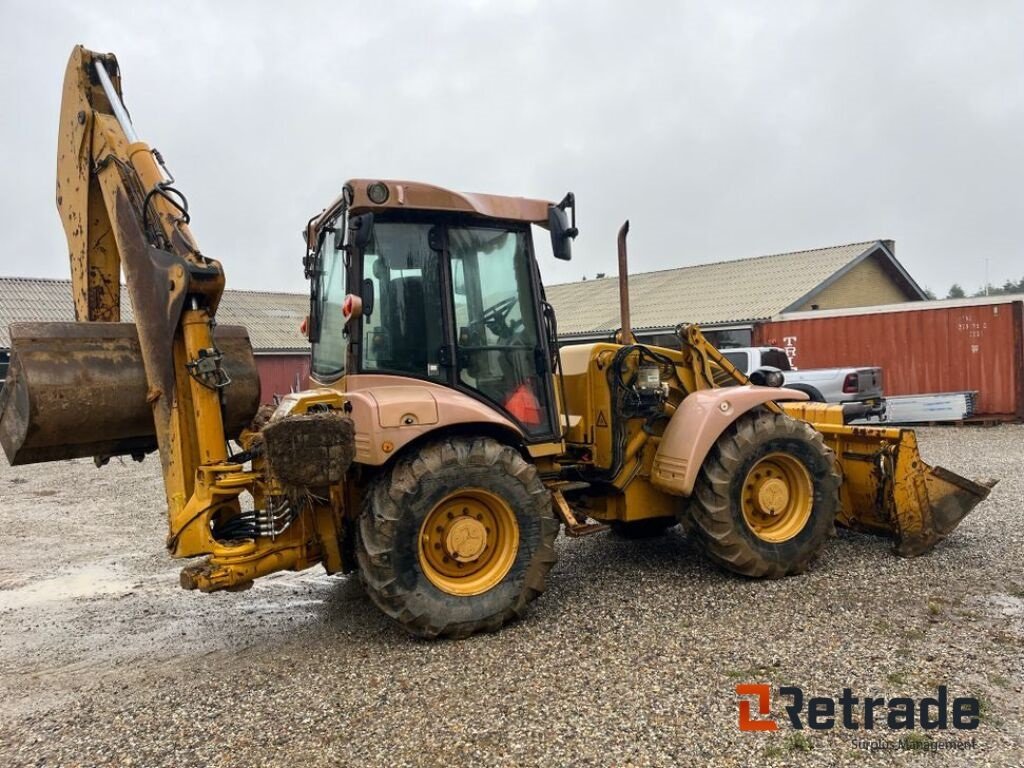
(767, 377)
(378, 192)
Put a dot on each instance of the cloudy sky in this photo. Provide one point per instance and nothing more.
(720, 129)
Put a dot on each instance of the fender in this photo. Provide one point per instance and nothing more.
(390, 412)
(699, 421)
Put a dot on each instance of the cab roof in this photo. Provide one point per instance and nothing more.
(417, 196)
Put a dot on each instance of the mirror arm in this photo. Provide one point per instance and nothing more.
(569, 201)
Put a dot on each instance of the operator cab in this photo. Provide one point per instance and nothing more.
(448, 296)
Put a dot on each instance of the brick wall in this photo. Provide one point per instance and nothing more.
(865, 285)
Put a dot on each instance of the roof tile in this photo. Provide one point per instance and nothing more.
(273, 319)
(724, 292)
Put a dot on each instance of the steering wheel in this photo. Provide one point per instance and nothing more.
(495, 318)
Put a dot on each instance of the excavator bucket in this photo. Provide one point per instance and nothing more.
(888, 489)
(77, 390)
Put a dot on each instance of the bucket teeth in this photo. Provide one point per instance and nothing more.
(925, 519)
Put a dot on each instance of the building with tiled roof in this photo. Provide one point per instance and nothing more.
(728, 297)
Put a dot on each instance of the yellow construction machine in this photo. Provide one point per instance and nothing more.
(446, 439)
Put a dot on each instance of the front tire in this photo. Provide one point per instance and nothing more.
(766, 497)
(456, 538)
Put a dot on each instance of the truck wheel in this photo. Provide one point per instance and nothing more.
(456, 538)
(766, 497)
(812, 393)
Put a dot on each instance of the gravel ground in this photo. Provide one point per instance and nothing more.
(630, 658)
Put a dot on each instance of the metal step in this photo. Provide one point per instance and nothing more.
(574, 525)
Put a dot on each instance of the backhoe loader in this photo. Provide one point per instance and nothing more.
(446, 439)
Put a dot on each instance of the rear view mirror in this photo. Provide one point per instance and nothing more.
(362, 230)
(368, 297)
(562, 233)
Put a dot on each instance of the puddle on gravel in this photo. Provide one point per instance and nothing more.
(88, 581)
(1008, 606)
(289, 591)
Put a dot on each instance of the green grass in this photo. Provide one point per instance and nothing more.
(915, 740)
(985, 712)
(797, 742)
(999, 680)
(752, 674)
(896, 678)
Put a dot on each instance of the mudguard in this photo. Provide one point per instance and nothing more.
(695, 426)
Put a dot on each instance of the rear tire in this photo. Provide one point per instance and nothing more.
(456, 538)
(766, 497)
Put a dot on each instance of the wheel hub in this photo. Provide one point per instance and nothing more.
(777, 497)
(772, 496)
(466, 539)
(468, 542)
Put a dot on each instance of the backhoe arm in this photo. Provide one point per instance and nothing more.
(171, 380)
(120, 212)
(99, 387)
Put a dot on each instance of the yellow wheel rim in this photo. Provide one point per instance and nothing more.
(468, 542)
(778, 496)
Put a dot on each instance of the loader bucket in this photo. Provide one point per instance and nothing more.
(888, 489)
(76, 390)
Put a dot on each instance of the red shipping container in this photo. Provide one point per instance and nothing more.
(922, 347)
(281, 374)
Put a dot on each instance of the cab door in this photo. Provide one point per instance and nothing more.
(501, 351)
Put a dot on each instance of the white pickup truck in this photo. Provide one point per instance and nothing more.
(824, 385)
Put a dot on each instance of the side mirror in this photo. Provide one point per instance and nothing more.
(368, 297)
(361, 228)
(562, 233)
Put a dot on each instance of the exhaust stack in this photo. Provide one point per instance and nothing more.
(625, 334)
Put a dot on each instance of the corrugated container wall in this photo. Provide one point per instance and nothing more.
(938, 349)
(281, 374)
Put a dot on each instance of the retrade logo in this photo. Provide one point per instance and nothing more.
(764, 696)
(821, 713)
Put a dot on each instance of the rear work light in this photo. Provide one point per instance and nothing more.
(850, 384)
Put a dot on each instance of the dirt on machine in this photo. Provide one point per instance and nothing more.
(446, 439)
